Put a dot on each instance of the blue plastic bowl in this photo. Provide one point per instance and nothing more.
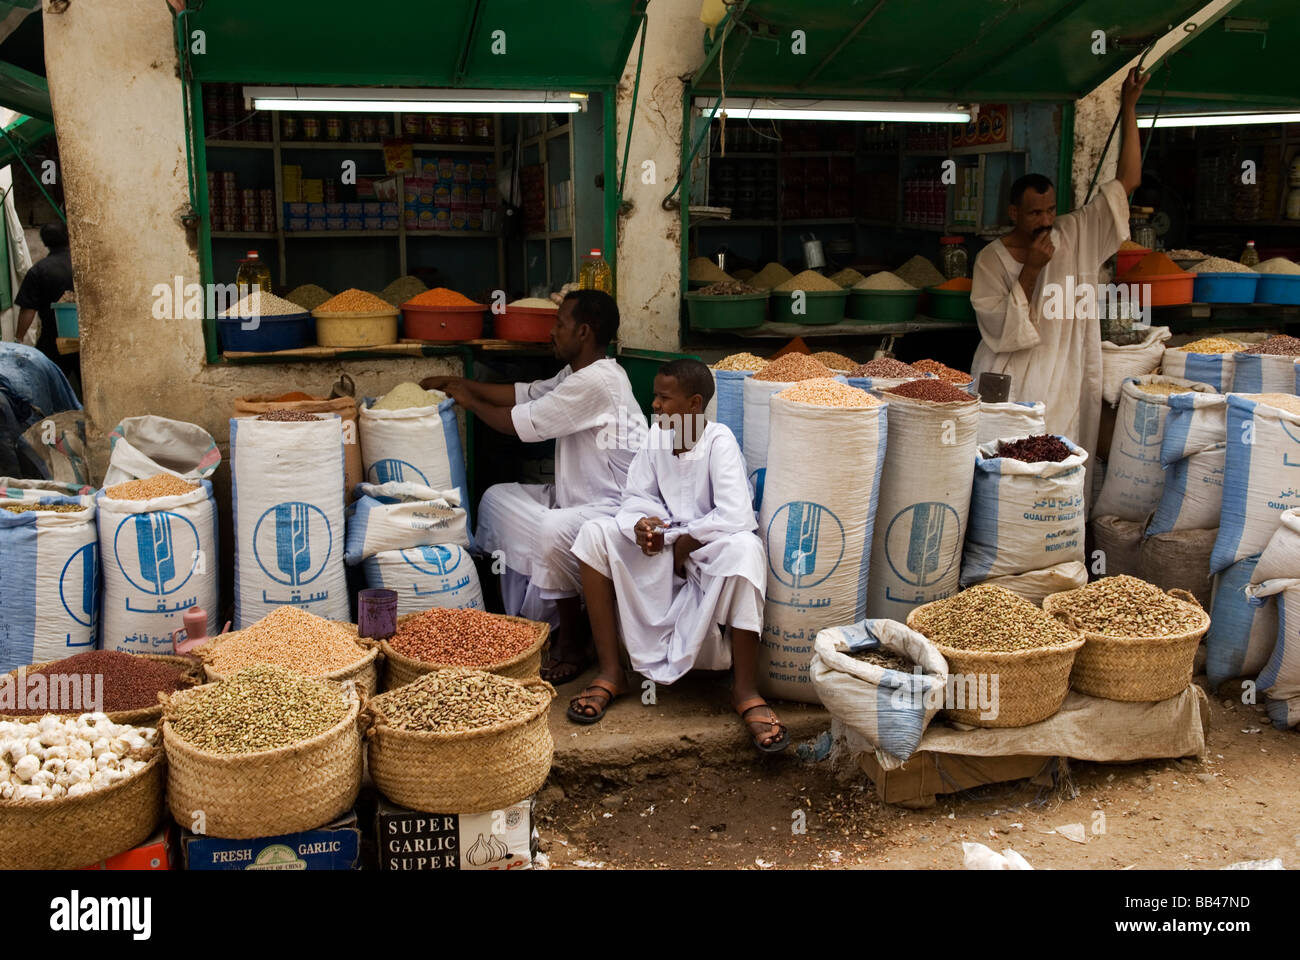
(1278, 288)
(1225, 287)
(272, 333)
(65, 319)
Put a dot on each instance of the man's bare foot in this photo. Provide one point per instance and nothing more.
(765, 728)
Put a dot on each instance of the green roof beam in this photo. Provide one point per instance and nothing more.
(844, 42)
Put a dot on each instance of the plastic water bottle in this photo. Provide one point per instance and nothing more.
(1249, 256)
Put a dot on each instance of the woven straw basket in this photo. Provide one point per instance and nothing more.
(1135, 669)
(191, 669)
(364, 673)
(264, 794)
(525, 665)
(74, 832)
(473, 772)
(1032, 683)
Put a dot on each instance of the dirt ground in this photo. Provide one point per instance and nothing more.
(1237, 803)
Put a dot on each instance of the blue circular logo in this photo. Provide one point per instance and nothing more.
(157, 552)
(436, 561)
(77, 584)
(1145, 428)
(920, 541)
(394, 471)
(292, 542)
(805, 543)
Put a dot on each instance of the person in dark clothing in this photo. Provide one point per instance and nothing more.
(46, 281)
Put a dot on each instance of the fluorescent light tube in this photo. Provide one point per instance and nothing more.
(1217, 119)
(413, 100)
(897, 112)
(417, 106)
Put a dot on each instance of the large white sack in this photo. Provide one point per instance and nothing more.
(145, 446)
(42, 491)
(1278, 575)
(890, 709)
(159, 558)
(1135, 477)
(1215, 369)
(754, 432)
(816, 522)
(1023, 516)
(416, 445)
(1135, 360)
(394, 516)
(49, 583)
(1243, 630)
(925, 491)
(1014, 418)
(1192, 453)
(440, 575)
(1036, 585)
(1260, 477)
(287, 489)
(1263, 373)
(728, 404)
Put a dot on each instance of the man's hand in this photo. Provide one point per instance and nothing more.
(683, 547)
(1133, 85)
(1040, 251)
(440, 383)
(642, 530)
(458, 390)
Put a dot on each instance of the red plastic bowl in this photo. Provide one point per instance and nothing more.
(442, 323)
(1126, 260)
(526, 324)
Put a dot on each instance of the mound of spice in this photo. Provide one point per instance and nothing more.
(886, 368)
(728, 288)
(884, 280)
(836, 361)
(462, 638)
(1279, 345)
(291, 638)
(455, 701)
(1042, 448)
(989, 619)
(288, 416)
(1184, 253)
(740, 361)
(770, 276)
(308, 296)
(920, 273)
(956, 283)
(1125, 606)
(407, 395)
(1220, 265)
(1131, 245)
(943, 372)
(294, 395)
(793, 367)
(258, 708)
(127, 681)
(704, 270)
(828, 393)
(848, 277)
(1279, 265)
(534, 303)
(1154, 264)
(440, 297)
(353, 300)
(934, 390)
(1283, 401)
(886, 659)
(43, 508)
(1162, 389)
(259, 303)
(810, 281)
(403, 289)
(1211, 345)
(159, 485)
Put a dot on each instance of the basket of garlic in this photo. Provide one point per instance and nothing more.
(76, 790)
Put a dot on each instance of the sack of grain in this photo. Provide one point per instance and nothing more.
(1135, 360)
(49, 581)
(1179, 559)
(1037, 584)
(287, 489)
(42, 491)
(1259, 478)
(442, 575)
(1119, 543)
(754, 431)
(1192, 453)
(1215, 369)
(1278, 575)
(889, 707)
(1135, 477)
(415, 444)
(728, 402)
(1015, 418)
(1264, 373)
(925, 491)
(1242, 630)
(1023, 516)
(816, 522)
(345, 407)
(145, 446)
(159, 558)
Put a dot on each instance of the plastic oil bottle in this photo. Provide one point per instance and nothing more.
(595, 274)
(1250, 256)
(254, 272)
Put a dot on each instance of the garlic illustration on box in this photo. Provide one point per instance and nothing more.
(486, 849)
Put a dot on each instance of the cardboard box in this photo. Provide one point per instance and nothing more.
(156, 853)
(335, 846)
(410, 840)
(926, 774)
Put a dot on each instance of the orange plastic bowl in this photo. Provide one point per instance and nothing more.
(1126, 260)
(1165, 290)
(525, 324)
(442, 323)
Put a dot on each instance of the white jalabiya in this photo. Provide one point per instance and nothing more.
(1057, 361)
(670, 624)
(598, 427)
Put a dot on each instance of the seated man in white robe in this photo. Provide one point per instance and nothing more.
(589, 410)
(679, 561)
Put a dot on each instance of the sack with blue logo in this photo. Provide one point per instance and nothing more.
(1263, 373)
(888, 708)
(1214, 369)
(393, 516)
(287, 490)
(728, 404)
(1120, 363)
(145, 446)
(1278, 575)
(1014, 418)
(1243, 630)
(49, 582)
(756, 432)
(1193, 453)
(1023, 516)
(413, 445)
(42, 491)
(159, 558)
(1135, 477)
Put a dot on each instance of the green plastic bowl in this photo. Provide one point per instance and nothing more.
(951, 305)
(821, 307)
(727, 312)
(882, 306)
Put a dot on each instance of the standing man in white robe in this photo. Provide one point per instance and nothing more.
(589, 409)
(1054, 359)
(679, 561)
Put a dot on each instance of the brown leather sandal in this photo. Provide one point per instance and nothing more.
(776, 746)
(601, 687)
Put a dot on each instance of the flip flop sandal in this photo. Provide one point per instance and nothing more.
(601, 686)
(778, 745)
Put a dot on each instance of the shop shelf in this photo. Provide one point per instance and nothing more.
(736, 312)
(1225, 287)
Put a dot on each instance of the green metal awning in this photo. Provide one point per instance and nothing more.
(22, 60)
(497, 44)
(24, 133)
(1247, 58)
(937, 49)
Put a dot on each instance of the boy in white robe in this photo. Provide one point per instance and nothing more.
(679, 561)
